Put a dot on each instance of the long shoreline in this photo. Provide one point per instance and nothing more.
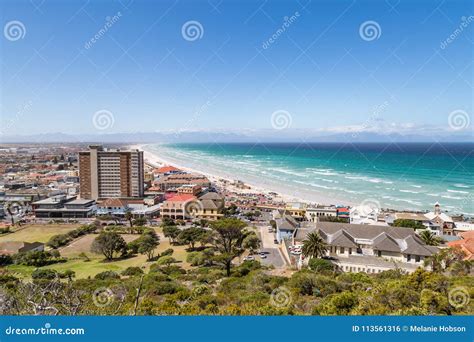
(152, 158)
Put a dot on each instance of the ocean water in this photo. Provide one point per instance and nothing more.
(409, 176)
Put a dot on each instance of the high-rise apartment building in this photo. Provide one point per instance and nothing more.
(106, 173)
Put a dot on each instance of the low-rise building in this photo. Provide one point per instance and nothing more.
(209, 206)
(14, 247)
(313, 213)
(465, 244)
(364, 214)
(296, 209)
(369, 248)
(177, 180)
(63, 206)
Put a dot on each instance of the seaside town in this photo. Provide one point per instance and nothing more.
(63, 208)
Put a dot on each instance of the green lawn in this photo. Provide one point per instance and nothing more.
(36, 232)
(84, 269)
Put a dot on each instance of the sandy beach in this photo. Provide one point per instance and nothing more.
(227, 183)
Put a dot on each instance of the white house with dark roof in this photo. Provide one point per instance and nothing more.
(369, 248)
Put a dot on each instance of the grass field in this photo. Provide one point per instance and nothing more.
(96, 263)
(36, 232)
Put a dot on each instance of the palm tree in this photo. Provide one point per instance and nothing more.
(314, 246)
(430, 238)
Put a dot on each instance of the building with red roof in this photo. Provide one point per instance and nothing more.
(466, 244)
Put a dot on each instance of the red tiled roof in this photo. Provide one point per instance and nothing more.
(182, 198)
(466, 244)
(165, 169)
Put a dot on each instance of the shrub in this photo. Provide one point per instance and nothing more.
(132, 271)
(321, 265)
(107, 275)
(37, 258)
(166, 252)
(44, 274)
(5, 260)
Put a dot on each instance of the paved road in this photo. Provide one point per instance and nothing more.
(270, 249)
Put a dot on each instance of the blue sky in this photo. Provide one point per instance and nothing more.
(319, 69)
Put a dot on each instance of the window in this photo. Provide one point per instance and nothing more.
(408, 257)
(417, 258)
(342, 250)
(350, 251)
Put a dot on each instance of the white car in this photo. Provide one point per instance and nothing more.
(249, 258)
(262, 255)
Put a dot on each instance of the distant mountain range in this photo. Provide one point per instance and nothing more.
(257, 135)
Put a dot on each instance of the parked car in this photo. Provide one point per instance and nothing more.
(249, 258)
(275, 241)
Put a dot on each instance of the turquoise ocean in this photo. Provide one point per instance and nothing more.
(409, 176)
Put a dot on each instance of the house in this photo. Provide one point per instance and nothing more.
(14, 247)
(286, 225)
(460, 227)
(466, 244)
(313, 213)
(296, 209)
(209, 206)
(113, 207)
(212, 206)
(192, 189)
(343, 213)
(363, 214)
(441, 220)
(176, 206)
(369, 248)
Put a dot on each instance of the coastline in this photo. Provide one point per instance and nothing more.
(225, 182)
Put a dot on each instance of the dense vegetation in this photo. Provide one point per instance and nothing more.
(249, 290)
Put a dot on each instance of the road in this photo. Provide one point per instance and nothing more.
(271, 249)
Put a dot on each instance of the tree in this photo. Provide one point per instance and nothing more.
(407, 223)
(108, 243)
(129, 217)
(139, 221)
(171, 232)
(227, 239)
(251, 242)
(166, 261)
(191, 236)
(314, 246)
(147, 244)
(430, 238)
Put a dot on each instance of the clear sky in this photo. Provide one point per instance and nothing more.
(151, 74)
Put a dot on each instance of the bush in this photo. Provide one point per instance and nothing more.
(107, 275)
(321, 265)
(5, 260)
(164, 287)
(166, 252)
(60, 240)
(195, 258)
(4, 230)
(132, 271)
(44, 274)
(37, 258)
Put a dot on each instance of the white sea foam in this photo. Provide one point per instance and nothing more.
(460, 185)
(458, 191)
(410, 191)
